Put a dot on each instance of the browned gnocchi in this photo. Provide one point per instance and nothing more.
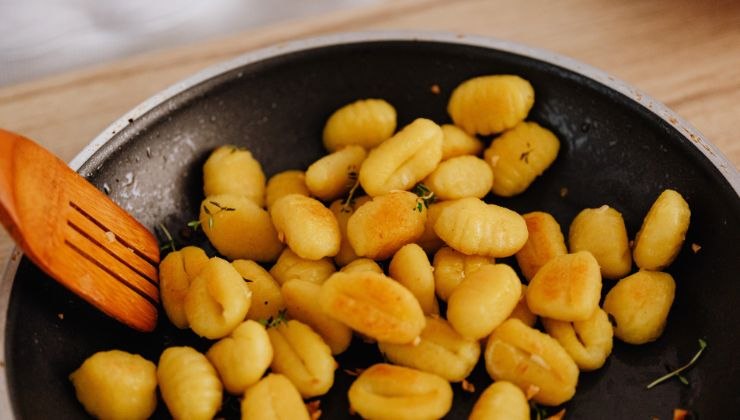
(234, 171)
(309, 228)
(366, 123)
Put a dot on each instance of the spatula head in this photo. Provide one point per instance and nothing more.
(77, 235)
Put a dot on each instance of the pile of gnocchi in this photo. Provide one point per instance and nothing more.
(388, 238)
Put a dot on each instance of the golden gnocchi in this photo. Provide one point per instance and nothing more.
(382, 226)
(273, 398)
(588, 342)
(441, 350)
(267, 301)
(366, 123)
(391, 392)
(490, 104)
(176, 271)
(374, 305)
(309, 228)
(473, 227)
(333, 175)
(290, 266)
(567, 288)
(189, 384)
(410, 267)
(284, 183)
(116, 385)
(362, 264)
(403, 160)
(234, 171)
(545, 242)
(452, 267)
(527, 357)
(218, 300)
(243, 357)
(460, 177)
(663, 231)
(239, 229)
(456, 142)
(302, 356)
(520, 155)
(483, 300)
(502, 400)
(639, 305)
(602, 232)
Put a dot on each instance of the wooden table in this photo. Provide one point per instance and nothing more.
(685, 53)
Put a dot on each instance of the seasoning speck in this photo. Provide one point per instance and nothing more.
(563, 191)
(110, 236)
(435, 89)
(695, 248)
(467, 386)
(60, 315)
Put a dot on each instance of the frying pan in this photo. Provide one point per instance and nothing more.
(619, 147)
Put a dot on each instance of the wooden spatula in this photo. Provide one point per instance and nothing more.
(76, 234)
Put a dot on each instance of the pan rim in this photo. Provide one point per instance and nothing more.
(651, 105)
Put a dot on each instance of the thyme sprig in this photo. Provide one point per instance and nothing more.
(195, 224)
(426, 197)
(354, 181)
(276, 320)
(170, 241)
(677, 372)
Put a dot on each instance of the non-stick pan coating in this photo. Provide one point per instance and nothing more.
(614, 151)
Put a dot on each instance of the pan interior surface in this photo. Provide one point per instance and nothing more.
(613, 151)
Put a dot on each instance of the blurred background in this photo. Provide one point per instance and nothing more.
(44, 37)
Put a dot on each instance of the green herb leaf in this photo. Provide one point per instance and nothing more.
(194, 224)
(353, 177)
(170, 241)
(677, 372)
(426, 196)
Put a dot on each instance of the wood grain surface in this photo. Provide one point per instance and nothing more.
(684, 53)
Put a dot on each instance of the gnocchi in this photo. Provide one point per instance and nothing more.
(639, 305)
(116, 385)
(460, 177)
(302, 356)
(273, 398)
(484, 300)
(385, 391)
(452, 267)
(602, 232)
(473, 227)
(382, 226)
(333, 175)
(663, 231)
(218, 300)
(189, 384)
(374, 305)
(267, 301)
(309, 228)
(243, 357)
(403, 160)
(519, 156)
(456, 142)
(588, 342)
(502, 400)
(567, 288)
(239, 229)
(441, 350)
(176, 272)
(290, 266)
(234, 171)
(526, 356)
(410, 267)
(366, 123)
(284, 183)
(490, 104)
(545, 242)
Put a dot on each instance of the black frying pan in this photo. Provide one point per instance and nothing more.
(618, 148)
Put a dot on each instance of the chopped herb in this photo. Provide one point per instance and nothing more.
(170, 242)
(677, 372)
(426, 197)
(274, 321)
(210, 214)
(354, 179)
(525, 155)
(538, 412)
(247, 280)
(194, 224)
